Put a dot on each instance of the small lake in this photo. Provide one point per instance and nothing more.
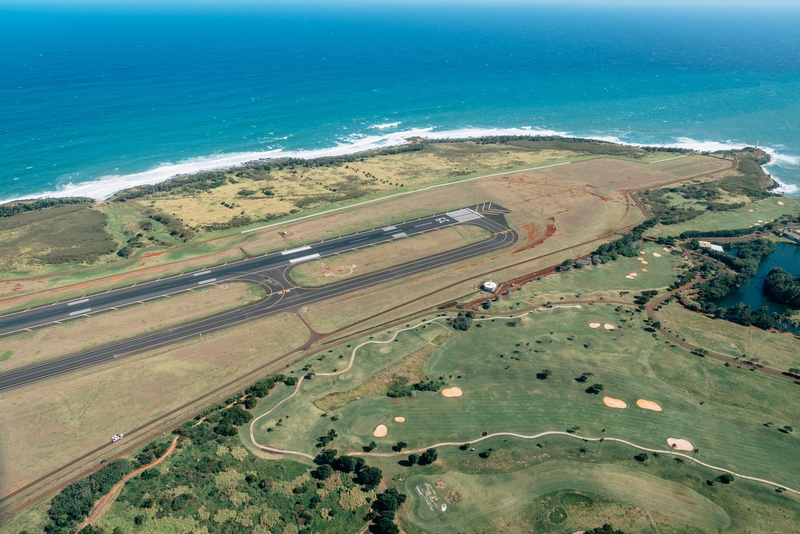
(786, 256)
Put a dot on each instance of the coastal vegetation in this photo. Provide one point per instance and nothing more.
(783, 287)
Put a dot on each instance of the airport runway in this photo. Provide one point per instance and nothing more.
(269, 270)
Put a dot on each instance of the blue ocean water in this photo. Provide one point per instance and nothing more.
(93, 101)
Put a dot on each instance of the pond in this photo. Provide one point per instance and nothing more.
(786, 256)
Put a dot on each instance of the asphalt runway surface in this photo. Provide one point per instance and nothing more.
(270, 271)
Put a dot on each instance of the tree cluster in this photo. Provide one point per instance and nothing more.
(781, 286)
(233, 417)
(15, 208)
(73, 503)
(463, 321)
(384, 507)
(399, 390)
(367, 476)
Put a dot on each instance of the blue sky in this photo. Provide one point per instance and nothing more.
(677, 4)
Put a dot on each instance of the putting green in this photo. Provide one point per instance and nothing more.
(365, 425)
(484, 497)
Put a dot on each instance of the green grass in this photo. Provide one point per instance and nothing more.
(6, 355)
(486, 497)
(702, 402)
(763, 210)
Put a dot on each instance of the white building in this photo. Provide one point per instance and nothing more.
(489, 286)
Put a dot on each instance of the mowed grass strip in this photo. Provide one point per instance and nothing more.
(50, 423)
(703, 401)
(81, 334)
(485, 497)
(335, 268)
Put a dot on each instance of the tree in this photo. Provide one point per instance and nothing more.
(641, 457)
(345, 464)
(582, 450)
(327, 456)
(485, 454)
(725, 478)
(605, 529)
(322, 472)
(390, 500)
(384, 525)
(544, 374)
(369, 477)
(413, 458)
(371, 446)
(594, 389)
(400, 446)
(428, 457)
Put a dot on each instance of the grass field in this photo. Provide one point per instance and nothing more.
(778, 351)
(763, 210)
(484, 498)
(50, 423)
(333, 269)
(496, 365)
(80, 334)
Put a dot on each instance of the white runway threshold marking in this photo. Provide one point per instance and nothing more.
(201, 282)
(80, 312)
(463, 215)
(201, 272)
(389, 228)
(293, 250)
(74, 302)
(304, 258)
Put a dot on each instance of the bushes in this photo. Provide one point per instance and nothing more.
(74, 502)
(15, 208)
(397, 389)
(231, 418)
(428, 457)
(463, 321)
(781, 286)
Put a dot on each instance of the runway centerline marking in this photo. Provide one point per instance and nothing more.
(201, 282)
(201, 273)
(80, 312)
(74, 302)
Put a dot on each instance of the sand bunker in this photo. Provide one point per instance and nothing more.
(780, 203)
(594, 325)
(380, 431)
(614, 403)
(399, 419)
(648, 405)
(609, 326)
(644, 270)
(634, 274)
(642, 252)
(451, 392)
(645, 262)
(680, 444)
(630, 277)
(657, 255)
(761, 221)
(751, 211)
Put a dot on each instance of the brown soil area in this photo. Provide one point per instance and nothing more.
(453, 497)
(549, 232)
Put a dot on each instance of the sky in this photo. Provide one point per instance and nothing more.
(755, 5)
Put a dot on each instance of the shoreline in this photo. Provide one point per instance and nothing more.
(108, 187)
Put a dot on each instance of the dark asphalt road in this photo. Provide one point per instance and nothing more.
(269, 271)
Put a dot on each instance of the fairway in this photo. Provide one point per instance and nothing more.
(485, 497)
(498, 365)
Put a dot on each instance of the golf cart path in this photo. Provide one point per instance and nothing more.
(488, 436)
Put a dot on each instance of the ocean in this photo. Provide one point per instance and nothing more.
(95, 100)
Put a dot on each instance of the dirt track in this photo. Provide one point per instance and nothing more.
(107, 500)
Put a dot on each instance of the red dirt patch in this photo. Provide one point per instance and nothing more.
(531, 231)
(453, 497)
(441, 484)
(548, 233)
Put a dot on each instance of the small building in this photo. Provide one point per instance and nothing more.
(489, 286)
(716, 248)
